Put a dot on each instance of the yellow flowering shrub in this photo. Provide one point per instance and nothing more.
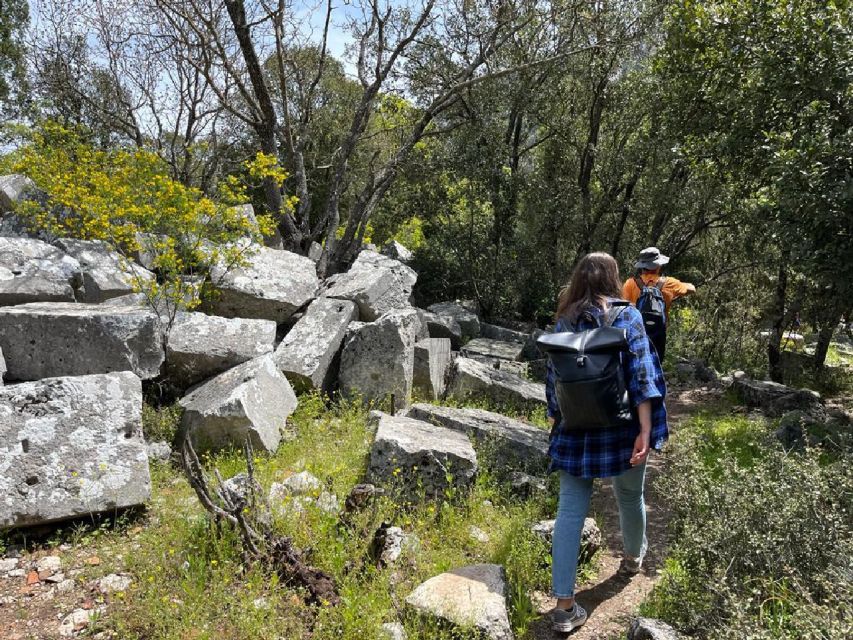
(126, 199)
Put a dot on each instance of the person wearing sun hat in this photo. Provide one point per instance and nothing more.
(647, 278)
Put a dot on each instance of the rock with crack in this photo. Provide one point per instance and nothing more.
(106, 273)
(200, 346)
(513, 445)
(34, 271)
(41, 340)
(472, 596)
(470, 378)
(497, 349)
(376, 283)
(273, 285)
(590, 537)
(72, 447)
(250, 400)
(398, 252)
(377, 360)
(468, 321)
(310, 352)
(442, 327)
(651, 629)
(411, 457)
(432, 361)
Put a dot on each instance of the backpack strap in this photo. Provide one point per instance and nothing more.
(659, 283)
(639, 282)
(615, 310)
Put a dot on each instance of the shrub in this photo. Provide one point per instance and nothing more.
(764, 538)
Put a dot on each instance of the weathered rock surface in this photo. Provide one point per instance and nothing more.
(432, 361)
(651, 629)
(397, 251)
(106, 274)
(2, 368)
(13, 188)
(411, 455)
(497, 349)
(775, 399)
(376, 283)
(378, 358)
(200, 346)
(695, 370)
(308, 355)
(467, 320)
(472, 378)
(159, 451)
(590, 537)
(34, 271)
(71, 447)
(471, 596)
(253, 400)
(42, 340)
(272, 286)
(442, 327)
(299, 484)
(513, 444)
(524, 485)
(495, 332)
(393, 631)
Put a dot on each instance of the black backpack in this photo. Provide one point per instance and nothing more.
(653, 309)
(589, 379)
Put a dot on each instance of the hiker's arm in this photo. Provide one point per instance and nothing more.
(641, 443)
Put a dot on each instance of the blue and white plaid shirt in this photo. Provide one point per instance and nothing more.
(601, 453)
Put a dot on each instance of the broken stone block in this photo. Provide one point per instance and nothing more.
(72, 447)
(470, 378)
(106, 274)
(432, 361)
(376, 283)
(309, 353)
(493, 349)
(34, 271)
(250, 400)
(467, 319)
(42, 340)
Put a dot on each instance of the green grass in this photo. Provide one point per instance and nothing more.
(190, 581)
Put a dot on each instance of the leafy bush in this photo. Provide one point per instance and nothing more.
(763, 538)
(161, 423)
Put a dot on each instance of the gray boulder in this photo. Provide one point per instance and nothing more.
(376, 283)
(378, 358)
(473, 596)
(272, 286)
(590, 537)
(775, 399)
(467, 319)
(308, 355)
(34, 271)
(495, 332)
(200, 346)
(442, 327)
(470, 378)
(42, 340)
(410, 456)
(252, 400)
(159, 451)
(393, 631)
(514, 445)
(493, 349)
(315, 252)
(106, 274)
(71, 447)
(432, 361)
(651, 629)
(13, 188)
(525, 486)
(397, 251)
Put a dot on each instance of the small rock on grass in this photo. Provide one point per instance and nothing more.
(393, 631)
(651, 629)
(48, 565)
(8, 564)
(478, 534)
(114, 583)
(75, 621)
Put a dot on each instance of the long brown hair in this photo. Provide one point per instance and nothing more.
(595, 278)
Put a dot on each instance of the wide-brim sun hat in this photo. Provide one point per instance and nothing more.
(651, 258)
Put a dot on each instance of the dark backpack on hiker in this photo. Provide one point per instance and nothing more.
(589, 379)
(652, 307)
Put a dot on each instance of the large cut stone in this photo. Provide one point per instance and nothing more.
(493, 349)
(442, 327)
(376, 283)
(378, 358)
(473, 596)
(412, 456)
(272, 286)
(200, 346)
(43, 340)
(496, 332)
(252, 400)
(512, 444)
(477, 379)
(467, 319)
(71, 447)
(308, 355)
(432, 360)
(397, 251)
(776, 399)
(13, 188)
(34, 271)
(106, 274)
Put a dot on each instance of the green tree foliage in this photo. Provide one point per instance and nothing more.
(14, 17)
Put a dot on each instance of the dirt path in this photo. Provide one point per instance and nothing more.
(610, 600)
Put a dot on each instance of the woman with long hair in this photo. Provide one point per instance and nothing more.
(619, 451)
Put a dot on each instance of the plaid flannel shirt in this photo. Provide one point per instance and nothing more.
(606, 452)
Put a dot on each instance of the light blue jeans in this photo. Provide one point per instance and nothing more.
(572, 511)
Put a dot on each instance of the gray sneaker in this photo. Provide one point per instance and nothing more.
(567, 620)
(630, 567)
